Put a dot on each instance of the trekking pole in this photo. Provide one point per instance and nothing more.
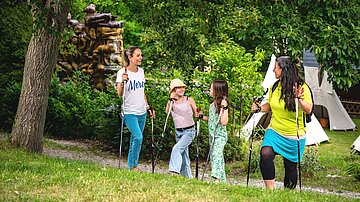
(250, 152)
(256, 100)
(200, 116)
(162, 135)
(152, 143)
(298, 138)
(250, 145)
(212, 144)
(122, 120)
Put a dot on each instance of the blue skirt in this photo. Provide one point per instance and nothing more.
(288, 148)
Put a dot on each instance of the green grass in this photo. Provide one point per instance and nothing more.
(334, 158)
(34, 177)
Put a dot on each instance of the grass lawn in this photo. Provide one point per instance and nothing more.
(35, 177)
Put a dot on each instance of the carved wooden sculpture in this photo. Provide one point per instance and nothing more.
(98, 47)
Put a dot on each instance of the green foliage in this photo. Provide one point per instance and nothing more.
(354, 170)
(239, 68)
(255, 157)
(15, 34)
(311, 163)
(9, 99)
(77, 111)
(331, 28)
(177, 33)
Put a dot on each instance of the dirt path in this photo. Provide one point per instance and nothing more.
(111, 160)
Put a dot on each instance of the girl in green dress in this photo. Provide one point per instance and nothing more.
(217, 120)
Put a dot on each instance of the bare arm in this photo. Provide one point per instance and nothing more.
(305, 106)
(146, 102)
(193, 106)
(224, 119)
(263, 108)
(167, 107)
(120, 85)
(299, 94)
(151, 111)
(120, 89)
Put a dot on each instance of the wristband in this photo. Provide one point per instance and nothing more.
(201, 116)
(259, 109)
(225, 107)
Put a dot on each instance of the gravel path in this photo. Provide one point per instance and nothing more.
(110, 160)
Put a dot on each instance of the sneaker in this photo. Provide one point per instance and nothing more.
(174, 173)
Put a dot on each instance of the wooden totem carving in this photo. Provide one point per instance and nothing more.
(98, 47)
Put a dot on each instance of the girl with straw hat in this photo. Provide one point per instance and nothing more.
(183, 109)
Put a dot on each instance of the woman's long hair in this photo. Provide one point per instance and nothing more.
(289, 77)
(127, 53)
(220, 90)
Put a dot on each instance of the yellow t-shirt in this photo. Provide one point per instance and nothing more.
(284, 121)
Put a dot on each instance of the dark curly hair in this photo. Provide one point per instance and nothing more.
(289, 77)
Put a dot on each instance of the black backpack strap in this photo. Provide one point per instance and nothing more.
(307, 117)
(275, 86)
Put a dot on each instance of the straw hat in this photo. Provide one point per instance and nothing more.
(176, 83)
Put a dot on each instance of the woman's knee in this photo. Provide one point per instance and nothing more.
(267, 153)
(138, 138)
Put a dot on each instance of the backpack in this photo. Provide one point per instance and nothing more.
(307, 117)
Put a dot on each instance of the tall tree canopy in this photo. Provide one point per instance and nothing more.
(178, 32)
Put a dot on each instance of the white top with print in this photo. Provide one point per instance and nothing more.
(134, 91)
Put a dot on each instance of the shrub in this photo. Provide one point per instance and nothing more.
(77, 111)
(310, 162)
(354, 170)
(9, 98)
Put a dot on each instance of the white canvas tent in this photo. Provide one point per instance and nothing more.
(315, 133)
(324, 94)
(356, 145)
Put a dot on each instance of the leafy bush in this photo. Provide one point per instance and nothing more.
(16, 25)
(310, 162)
(77, 111)
(354, 170)
(9, 99)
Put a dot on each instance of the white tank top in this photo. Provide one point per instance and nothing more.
(182, 114)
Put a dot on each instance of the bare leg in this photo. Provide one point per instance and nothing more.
(270, 184)
(135, 168)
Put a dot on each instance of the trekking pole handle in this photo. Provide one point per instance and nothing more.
(201, 115)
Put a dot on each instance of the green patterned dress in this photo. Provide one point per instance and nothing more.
(217, 153)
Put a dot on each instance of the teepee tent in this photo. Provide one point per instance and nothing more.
(356, 145)
(324, 94)
(315, 133)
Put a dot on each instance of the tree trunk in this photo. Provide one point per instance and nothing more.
(40, 62)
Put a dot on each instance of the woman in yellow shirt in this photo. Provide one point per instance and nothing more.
(281, 135)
